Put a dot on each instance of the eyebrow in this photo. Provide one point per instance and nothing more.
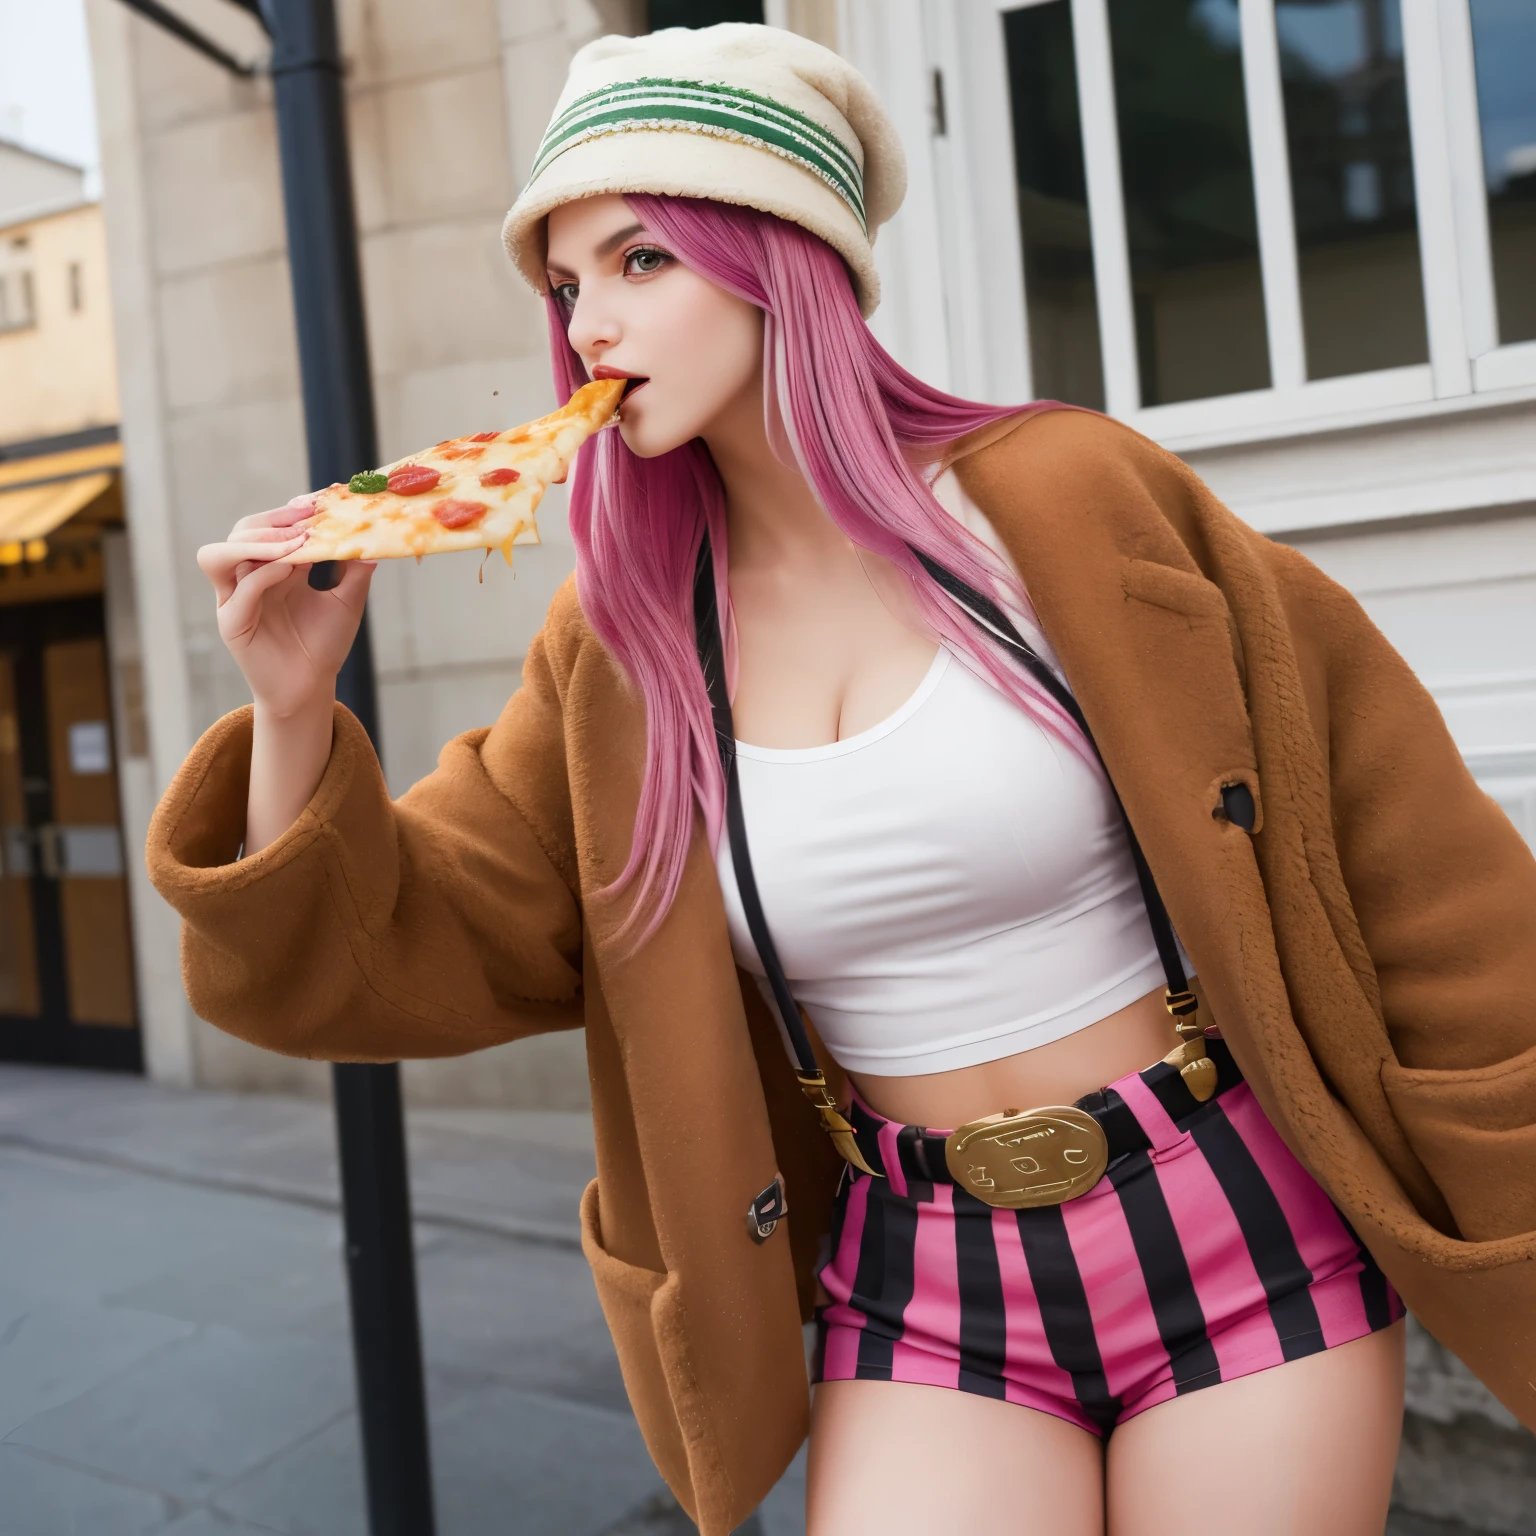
(614, 241)
(606, 247)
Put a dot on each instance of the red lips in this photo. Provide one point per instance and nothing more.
(636, 380)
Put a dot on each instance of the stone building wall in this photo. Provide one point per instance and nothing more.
(446, 104)
(56, 371)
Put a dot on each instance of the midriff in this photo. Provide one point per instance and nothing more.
(1058, 1073)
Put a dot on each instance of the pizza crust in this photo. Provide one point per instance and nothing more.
(483, 490)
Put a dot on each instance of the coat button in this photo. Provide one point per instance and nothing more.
(1237, 806)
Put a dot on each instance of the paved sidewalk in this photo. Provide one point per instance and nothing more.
(174, 1344)
(174, 1351)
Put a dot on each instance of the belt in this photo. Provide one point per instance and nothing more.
(1025, 1158)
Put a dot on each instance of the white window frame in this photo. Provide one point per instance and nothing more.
(975, 206)
(1495, 366)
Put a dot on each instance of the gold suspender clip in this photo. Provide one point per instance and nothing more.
(833, 1121)
(1189, 1056)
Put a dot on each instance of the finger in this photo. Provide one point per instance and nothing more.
(233, 551)
(279, 517)
(294, 511)
(356, 575)
(219, 568)
(241, 613)
(266, 533)
(220, 562)
(245, 567)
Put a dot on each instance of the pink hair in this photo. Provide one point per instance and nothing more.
(860, 427)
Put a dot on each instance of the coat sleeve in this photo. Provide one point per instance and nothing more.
(373, 930)
(1444, 890)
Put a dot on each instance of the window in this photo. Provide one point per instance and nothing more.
(1225, 214)
(76, 288)
(1053, 205)
(17, 309)
(1187, 179)
(17, 312)
(1346, 119)
(1504, 47)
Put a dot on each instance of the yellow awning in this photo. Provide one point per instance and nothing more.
(60, 466)
(29, 515)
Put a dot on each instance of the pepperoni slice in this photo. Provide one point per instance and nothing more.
(499, 477)
(483, 437)
(414, 479)
(459, 514)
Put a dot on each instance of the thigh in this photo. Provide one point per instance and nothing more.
(1302, 1449)
(900, 1458)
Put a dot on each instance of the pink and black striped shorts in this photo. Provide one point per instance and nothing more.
(1206, 1252)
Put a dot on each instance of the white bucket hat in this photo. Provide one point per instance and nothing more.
(739, 113)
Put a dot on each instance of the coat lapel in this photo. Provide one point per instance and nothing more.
(696, 1146)
(1147, 646)
(674, 999)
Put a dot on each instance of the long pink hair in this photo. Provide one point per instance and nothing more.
(861, 429)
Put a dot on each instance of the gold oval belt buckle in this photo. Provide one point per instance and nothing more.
(1028, 1157)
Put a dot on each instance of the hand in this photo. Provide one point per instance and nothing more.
(288, 639)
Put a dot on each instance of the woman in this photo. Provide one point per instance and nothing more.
(925, 854)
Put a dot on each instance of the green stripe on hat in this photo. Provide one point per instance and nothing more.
(736, 96)
(725, 111)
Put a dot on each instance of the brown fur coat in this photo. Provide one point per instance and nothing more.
(1369, 950)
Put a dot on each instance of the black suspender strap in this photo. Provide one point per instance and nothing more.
(813, 1081)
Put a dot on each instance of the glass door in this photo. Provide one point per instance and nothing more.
(82, 847)
(66, 967)
(20, 991)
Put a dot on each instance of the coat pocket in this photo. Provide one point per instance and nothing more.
(627, 1293)
(1165, 586)
(629, 1286)
(1475, 1131)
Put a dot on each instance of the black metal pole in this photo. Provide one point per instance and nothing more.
(339, 424)
(381, 1276)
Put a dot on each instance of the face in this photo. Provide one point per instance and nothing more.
(636, 311)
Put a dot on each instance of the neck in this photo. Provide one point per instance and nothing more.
(773, 518)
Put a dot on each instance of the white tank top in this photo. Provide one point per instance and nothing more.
(950, 887)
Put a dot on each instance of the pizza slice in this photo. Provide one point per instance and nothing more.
(478, 492)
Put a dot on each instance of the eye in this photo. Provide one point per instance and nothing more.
(643, 260)
(565, 293)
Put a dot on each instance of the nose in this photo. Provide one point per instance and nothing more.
(593, 328)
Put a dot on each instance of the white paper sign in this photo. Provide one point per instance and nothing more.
(92, 851)
(90, 748)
